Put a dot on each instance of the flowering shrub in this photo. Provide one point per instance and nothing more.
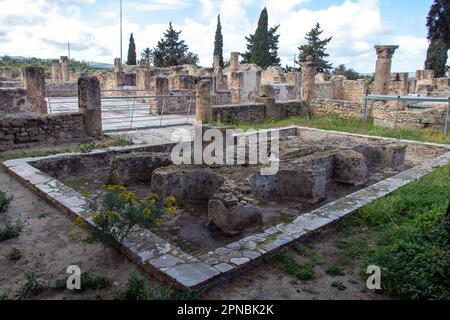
(119, 212)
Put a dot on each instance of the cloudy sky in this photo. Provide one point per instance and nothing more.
(42, 28)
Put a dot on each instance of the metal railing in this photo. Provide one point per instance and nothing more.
(124, 110)
(407, 99)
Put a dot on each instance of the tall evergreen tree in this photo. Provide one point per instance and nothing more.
(218, 42)
(146, 54)
(438, 21)
(170, 50)
(131, 61)
(438, 24)
(316, 48)
(261, 46)
(437, 56)
(273, 47)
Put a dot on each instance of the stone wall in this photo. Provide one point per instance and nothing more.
(14, 100)
(26, 130)
(257, 111)
(6, 74)
(61, 89)
(342, 108)
(281, 92)
(323, 90)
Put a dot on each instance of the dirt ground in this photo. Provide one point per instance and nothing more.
(50, 242)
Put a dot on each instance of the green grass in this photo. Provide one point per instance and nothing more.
(353, 125)
(334, 270)
(412, 238)
(31, 287)
(105, 142)
(302, 271)
(14, 254)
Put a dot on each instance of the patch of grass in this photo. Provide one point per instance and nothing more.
(334, 270)
(31, 287)
(138, 289)
(5, 200)
(305, 251)
(351, 250)
(339, 285)
(105, 142)
(73, 236)
(353, 125)
(302, 271)
(11, 230)
(88, 281)
(14, 254)
(413, 239)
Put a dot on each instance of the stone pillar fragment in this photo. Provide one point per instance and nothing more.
(236, 82)
(90, 104)
(234, 61)
(161, 90)
(308, 79)
(204, 101)
(65, 69)
(117, 65)
(383, 69)
(216, 63)
(56, 70)
(33, 80)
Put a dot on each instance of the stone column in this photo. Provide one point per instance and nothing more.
(236, 82)
(216, 63)
(90, 104)
(234, 61)
(65, 69)
(161, 89)
(383, 69)
(308, 79)
(204, 101)
(56, 70)
(33, 80)
(117, 65)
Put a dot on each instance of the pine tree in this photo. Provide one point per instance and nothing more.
(131, 61)
(146, 54)
(437, 56)
(170, 50)
(218, 42)
(273, 47)
(316, 48)
(261, 46)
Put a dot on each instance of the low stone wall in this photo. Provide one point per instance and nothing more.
(344, 109)
(21, 130)
(432, 118)
(281, 92)
(323, 90)
(258, 111)
(61, 89)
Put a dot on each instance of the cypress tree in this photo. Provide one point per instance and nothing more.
(261, 46)
(218, 42)
(316, 48)
(437, 56)
(131, 61)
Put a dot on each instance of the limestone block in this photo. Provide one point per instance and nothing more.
(350, 167)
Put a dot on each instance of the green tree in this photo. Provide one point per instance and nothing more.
(218, 42)
(146, 54)
(438, 21)
(438, 24)
(192, 58)
(260, 54)
(131, 61)
(437, 56)
(273, 43)
(316, 48)
(170, 50)
(350, 74)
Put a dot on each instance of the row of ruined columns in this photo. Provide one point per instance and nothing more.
(61, 69)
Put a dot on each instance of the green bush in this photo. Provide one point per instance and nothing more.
(119, 212)
(413, 249)
(302, 271)
(5, 200)
(31, 287)
(11, 230)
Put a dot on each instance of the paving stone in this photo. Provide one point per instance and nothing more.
(271, 231)
(223, 267)
(191, 275)
(251, 254)
(234, 246)
(146, 255)
(166, 261)
(311, 222)
(290, 229)
(239, 261)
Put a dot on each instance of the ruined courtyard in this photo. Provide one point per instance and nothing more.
(152, 166)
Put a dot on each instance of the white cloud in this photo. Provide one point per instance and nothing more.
(41, 28)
